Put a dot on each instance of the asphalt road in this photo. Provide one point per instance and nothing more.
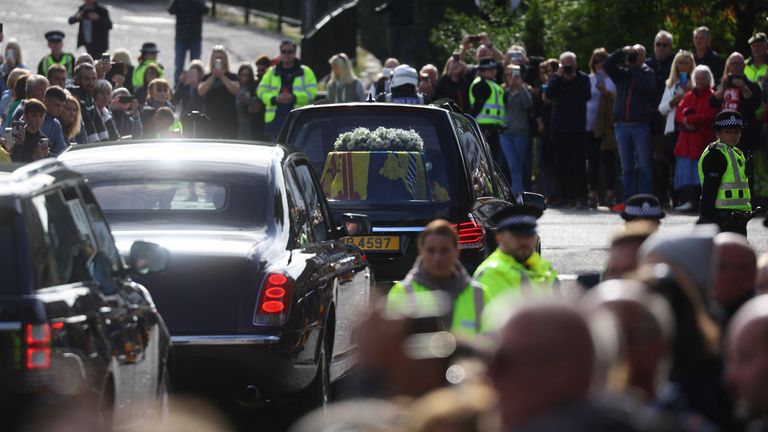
(134, 22)
(576, 241)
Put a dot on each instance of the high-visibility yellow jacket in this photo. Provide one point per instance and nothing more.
(138, 73)
(304, 89)
(493, 111)
(67, 60)
(467, 307)
(501, 273)
(733, 193)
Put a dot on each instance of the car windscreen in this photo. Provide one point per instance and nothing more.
(9, 283)
(184, 194)
(379, 175)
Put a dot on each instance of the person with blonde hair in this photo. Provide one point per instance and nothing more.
(219, 88)
(344, 86)
(9, 94)
(677, 84)
(72, 122)
(122, 70)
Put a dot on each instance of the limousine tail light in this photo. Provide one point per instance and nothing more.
(38, 346)
(275, 300)
(471, 235)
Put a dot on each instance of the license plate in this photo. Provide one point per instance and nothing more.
(375, 243)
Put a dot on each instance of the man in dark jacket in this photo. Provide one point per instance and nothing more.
(94, 27)
(663, 158)
(189, 31)
(569, 89)
(636, 89)
(85, 82)
(703, 53)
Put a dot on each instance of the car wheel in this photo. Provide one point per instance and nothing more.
(319, 391)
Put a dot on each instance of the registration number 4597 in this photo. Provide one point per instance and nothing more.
(375, 243)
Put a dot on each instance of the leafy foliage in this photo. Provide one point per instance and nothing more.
(549, 27)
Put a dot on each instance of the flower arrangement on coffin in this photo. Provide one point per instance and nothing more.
(381, 139)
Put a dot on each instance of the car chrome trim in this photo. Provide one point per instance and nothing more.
(225, 340)
(397, 229)
(10, 325)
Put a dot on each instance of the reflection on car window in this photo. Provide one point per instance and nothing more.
(100, 230)
(161, 195)
(379, 177)
(477, 162)
(62, 246)
(314, 205)
(8, 268)
(302, 232)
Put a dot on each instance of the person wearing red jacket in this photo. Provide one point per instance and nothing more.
(694, 117)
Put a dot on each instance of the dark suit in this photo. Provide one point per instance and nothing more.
(99, 40)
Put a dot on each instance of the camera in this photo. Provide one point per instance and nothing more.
(456, 56)
(568, 69)
(632, 57)
(106, 58)
(474, 39)
(126, 99)
(732, 78)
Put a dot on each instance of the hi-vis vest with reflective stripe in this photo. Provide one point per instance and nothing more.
(67, 60)
(733, 193)
(304, 89)
(493, 109)
(467, 308)
(501, 273)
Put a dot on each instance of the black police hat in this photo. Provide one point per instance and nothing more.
(150, 48)
(54, 36)
(729, 119)
(642, 206)
(487, 63)
(519, 219)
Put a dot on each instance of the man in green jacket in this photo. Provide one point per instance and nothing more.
(514, 266)
(438, 274)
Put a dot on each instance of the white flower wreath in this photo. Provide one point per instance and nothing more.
(382, 139)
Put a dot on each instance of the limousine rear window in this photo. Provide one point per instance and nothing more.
(161, 195)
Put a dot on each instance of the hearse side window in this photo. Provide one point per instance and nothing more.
(314, 205)
(477, 163)
(104, 238)
(300, 227)
(61, 246)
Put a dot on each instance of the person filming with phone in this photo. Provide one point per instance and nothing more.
(27, 143)
(737, 93)
(636, 90)
(218, 88)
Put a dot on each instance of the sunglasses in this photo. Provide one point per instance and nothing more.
(287, 51)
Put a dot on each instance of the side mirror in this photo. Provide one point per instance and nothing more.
(535, 200)
(147, 258)
(353, 224)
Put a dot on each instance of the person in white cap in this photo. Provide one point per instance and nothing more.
(403, 86)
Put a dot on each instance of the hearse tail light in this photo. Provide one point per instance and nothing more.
(471, 235)
(274, 300)
(38, 337)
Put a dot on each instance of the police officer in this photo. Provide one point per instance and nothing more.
(148, 56)
(643, 207)
(285, 86)
(486, 99)
(57, 56)
(403, 87)
(438, 269)
(515, 265)
(725, 197)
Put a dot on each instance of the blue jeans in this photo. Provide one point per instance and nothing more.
(634, 140)
(194, 48)
(515, 147)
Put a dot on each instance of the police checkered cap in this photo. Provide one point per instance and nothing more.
(729, 120)
(642, 206)
(521, 218)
